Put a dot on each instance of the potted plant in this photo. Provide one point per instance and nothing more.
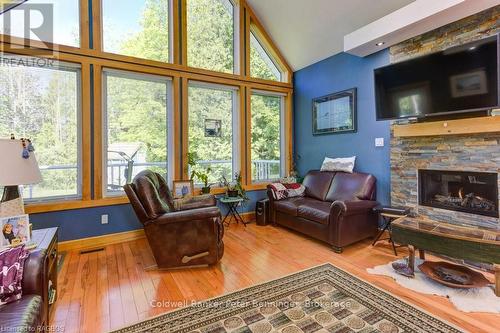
(200, 175)
(234, 188)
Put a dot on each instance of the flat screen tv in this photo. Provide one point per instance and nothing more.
(461, 79)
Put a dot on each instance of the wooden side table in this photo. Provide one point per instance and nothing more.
(46, 241)
(459, 242)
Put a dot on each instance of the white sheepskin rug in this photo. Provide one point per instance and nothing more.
(466, 300)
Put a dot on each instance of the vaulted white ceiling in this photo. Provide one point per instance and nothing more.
(307, 31)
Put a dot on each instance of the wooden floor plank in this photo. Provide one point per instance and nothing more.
(125, 292)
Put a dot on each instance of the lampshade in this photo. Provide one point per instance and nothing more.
(14, 169)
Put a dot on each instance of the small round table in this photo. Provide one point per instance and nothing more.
(232, 208)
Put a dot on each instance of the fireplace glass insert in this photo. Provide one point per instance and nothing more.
(463, 191)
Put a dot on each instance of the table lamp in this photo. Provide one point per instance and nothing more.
(16, 170)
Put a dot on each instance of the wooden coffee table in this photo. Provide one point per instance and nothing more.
(474, 244)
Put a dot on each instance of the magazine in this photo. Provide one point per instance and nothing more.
(15, 230)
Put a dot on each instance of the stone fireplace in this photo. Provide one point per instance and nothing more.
(448, 154)
(461, 191)
(456, 162)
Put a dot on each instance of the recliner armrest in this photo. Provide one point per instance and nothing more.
(347, 208)
(199, 201)
(187, 215)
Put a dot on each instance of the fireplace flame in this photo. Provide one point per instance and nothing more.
(461, 193)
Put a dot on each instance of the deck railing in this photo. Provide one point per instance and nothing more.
(117, 171)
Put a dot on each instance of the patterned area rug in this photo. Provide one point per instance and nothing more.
(320, 299)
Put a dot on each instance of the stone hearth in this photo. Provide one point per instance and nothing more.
(478, 153)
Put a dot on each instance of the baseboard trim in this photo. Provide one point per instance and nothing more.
(101, 241)
(120, 237)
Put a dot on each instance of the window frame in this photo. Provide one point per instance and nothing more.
(172, 33)
(77, 69)
(92, 60)
(83, 33)
(237, 39)
(169, 113)
(283, 137)
(261, 37)
(269, 55)
(235, 119)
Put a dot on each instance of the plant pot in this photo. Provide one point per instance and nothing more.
(232, 193)
(205, 190)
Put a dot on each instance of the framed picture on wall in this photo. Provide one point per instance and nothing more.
(335, 113)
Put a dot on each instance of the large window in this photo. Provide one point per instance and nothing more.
(213, 121)
(55, 21)
(138, 28)
(210, 35)
(267, 144)
(262, 66)
(40, 99)
(137, 116)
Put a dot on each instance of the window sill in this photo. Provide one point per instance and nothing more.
(46, 207)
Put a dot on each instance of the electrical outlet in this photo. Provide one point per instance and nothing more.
(104, 219)
(379, 142)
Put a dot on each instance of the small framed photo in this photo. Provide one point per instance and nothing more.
(335, 113)
(213, 128)
(469, 84)
(15, 230)
(183, 188)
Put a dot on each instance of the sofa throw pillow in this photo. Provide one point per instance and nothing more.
(11, 273)
(345, 164)
(287, 190)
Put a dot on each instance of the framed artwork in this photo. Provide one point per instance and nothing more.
(183, 189)
(15, 230)
(213, 128)
(335, 113)
(469, 84)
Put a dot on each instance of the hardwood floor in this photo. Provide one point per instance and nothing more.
(109, 289)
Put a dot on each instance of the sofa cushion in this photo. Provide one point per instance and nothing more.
(315, 210)
(351, 186)
(317, 184)
(289, 206)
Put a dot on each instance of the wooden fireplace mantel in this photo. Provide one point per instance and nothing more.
(450, 127)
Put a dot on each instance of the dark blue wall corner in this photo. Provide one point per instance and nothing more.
(86, 222)
(337, 73)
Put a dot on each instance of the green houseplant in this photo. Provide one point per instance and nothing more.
(201, 175)
(234, 188)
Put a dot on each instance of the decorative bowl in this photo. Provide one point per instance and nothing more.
(452, 275)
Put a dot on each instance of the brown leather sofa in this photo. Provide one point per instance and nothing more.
(336, 208)
(30, 313)
(180, 232)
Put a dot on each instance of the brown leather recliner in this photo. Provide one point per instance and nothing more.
(185, 232)
(337, 208)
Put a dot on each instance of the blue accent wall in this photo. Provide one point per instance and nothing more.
(337, 73)
(86, 222)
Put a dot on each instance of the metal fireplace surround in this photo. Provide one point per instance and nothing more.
(463, 191)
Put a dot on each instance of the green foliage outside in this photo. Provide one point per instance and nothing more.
(42, 103)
